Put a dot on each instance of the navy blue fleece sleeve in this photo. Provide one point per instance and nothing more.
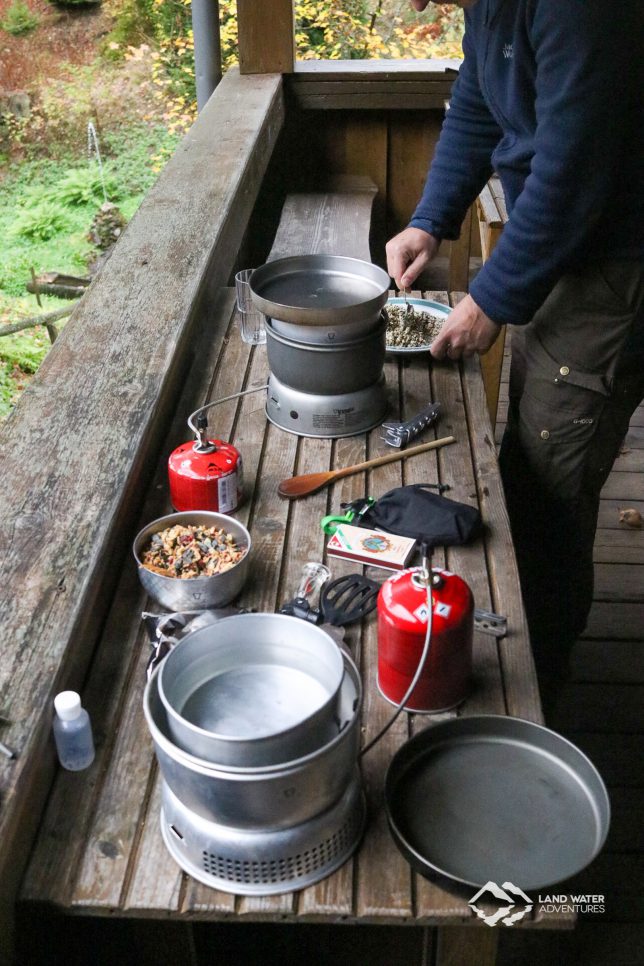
(579, 114)
(462, 161)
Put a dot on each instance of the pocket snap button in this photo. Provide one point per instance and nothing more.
(545, 434)
(564, 371)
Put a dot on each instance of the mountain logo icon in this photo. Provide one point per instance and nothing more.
(506, 897)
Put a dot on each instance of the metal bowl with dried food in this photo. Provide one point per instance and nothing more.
(413, 324)
(193, 560)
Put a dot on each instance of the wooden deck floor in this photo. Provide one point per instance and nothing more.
(602, 711)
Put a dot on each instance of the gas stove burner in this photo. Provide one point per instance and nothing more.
(264, 862)
(327, 417)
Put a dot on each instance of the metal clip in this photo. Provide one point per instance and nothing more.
(398, 434)
(488, 623)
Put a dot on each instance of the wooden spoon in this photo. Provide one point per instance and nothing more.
(312, 482)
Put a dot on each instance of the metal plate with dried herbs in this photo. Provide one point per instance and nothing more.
(413, 324)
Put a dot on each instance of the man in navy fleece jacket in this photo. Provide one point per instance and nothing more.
(550, 97)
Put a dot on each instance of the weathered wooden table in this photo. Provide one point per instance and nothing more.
(99, 850)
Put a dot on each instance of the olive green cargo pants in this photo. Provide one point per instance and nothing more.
(576, 377)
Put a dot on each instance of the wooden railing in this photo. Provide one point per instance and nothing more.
(83, 441)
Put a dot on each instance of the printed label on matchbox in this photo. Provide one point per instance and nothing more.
(388, 550)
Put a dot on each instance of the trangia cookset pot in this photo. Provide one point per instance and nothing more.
(244, 824)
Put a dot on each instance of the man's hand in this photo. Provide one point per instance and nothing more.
(408, 253)
(466, 331)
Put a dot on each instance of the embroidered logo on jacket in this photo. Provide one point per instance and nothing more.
(508, 51)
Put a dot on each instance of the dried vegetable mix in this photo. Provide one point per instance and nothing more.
(191, 551)
(409, 329)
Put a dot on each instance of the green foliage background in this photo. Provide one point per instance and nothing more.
(140, 94)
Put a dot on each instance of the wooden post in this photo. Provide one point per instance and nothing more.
(266, 36)
(491, 217)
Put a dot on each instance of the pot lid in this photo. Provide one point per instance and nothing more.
(319, 289)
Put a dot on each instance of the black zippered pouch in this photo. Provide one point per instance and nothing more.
(413, 511)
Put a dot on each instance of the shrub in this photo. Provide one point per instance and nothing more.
(83, 186)
(19, 19)
(40, 222)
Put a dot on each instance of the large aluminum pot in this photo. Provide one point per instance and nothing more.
(277, 796)
(327, 369)
(319, 289)
(252, 690)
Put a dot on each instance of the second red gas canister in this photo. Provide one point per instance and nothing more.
(402, 626)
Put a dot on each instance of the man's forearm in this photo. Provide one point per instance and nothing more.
(461, 164)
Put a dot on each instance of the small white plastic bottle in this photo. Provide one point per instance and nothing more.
(72, 732)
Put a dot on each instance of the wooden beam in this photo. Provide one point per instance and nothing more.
(81, 444)
(365, 94)
(266, 36)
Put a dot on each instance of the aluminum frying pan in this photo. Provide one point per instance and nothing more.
(493, 798)
(320, 289)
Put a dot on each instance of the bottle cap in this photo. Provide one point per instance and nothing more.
(67, 705)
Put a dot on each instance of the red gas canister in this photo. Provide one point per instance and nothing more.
(205, 475)
(402, 625)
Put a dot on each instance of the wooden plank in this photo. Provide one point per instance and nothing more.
(521, 690)
(114, 374)
(619, 662)
(73, 823)
(464, 946)
(156, 881)
(635, 436)
(381, 890)
(620, 881)
(418, 388)
(630, 459)
(402, 86)
(104, 884)
(385, 69)
(619, 708)
(623, 487)
(459, 257)
(496, 190)
(334, 222)
(456, 469)
(608, 518)
(619, 539)
(410, 151)
(626, 832)
(492, 216)
(386, 100)
(488, 210)
(615, 621)
(619, 582)
(266, 37)
(624, 555)
(618, 760)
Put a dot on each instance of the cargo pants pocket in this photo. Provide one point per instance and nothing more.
(559, 417)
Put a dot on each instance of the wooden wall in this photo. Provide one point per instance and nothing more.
(392, 147)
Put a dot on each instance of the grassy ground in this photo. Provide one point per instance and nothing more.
(50, 186)
(54, 232)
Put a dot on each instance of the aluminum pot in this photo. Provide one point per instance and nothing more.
(333, 332)
(277, 796)
(327, 369)
(194, 593)
(252, 690)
